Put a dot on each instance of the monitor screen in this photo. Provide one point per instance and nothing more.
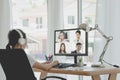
(71, 42)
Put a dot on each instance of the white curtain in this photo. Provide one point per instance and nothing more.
(4, 28)
(4, 21)
(55, 21)
(108, 19)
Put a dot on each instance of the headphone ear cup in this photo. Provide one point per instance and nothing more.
(21, 41)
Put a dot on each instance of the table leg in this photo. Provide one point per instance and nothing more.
(96, 77)
(112, 76)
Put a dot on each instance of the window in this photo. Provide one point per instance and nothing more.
(31, 17)
(77, 12)
(71, 20)
(86, 14)
(39, 22)
(89, 11)
(25, 22)
(70, 13)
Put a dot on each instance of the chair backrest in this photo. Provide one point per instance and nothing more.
(16, 65)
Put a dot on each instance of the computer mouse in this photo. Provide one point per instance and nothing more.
(60, 66)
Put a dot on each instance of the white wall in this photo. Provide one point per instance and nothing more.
(108, 17)
(4, 28)
(4, 22)
(114, 30)
(114, 27)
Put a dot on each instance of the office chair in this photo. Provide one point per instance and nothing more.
(16, 65)
(52, 77)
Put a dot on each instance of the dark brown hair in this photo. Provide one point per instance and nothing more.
(13, 37)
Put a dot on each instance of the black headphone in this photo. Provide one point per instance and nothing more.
(21, 40)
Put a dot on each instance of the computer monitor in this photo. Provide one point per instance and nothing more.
(71, 42)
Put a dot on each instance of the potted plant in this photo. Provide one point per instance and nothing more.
(80, 61)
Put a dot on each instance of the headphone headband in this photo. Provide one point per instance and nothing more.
(20, 33)
(21, 40)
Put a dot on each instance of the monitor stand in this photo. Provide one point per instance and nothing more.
(75, 59)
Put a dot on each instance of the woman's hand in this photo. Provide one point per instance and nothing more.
(48, 62)
(52, 64)
(55, 62)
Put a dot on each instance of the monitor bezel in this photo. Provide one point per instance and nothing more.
(86, 43)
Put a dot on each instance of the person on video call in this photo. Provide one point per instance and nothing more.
(78, 37)
(78, 49)
(62, 37)
(15, 43)
(62, 49)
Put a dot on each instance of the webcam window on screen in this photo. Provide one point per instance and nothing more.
(71, 42)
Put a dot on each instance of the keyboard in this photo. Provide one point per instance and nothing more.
(65, 65)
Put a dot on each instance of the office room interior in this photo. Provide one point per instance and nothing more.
(40, 18)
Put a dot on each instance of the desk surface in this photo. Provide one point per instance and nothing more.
(86, 71)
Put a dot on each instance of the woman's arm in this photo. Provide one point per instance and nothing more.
(44, 66)
(47, 62)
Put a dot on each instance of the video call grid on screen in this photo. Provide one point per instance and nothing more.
(67, 44)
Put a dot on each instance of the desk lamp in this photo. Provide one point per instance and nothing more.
(108, 39)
